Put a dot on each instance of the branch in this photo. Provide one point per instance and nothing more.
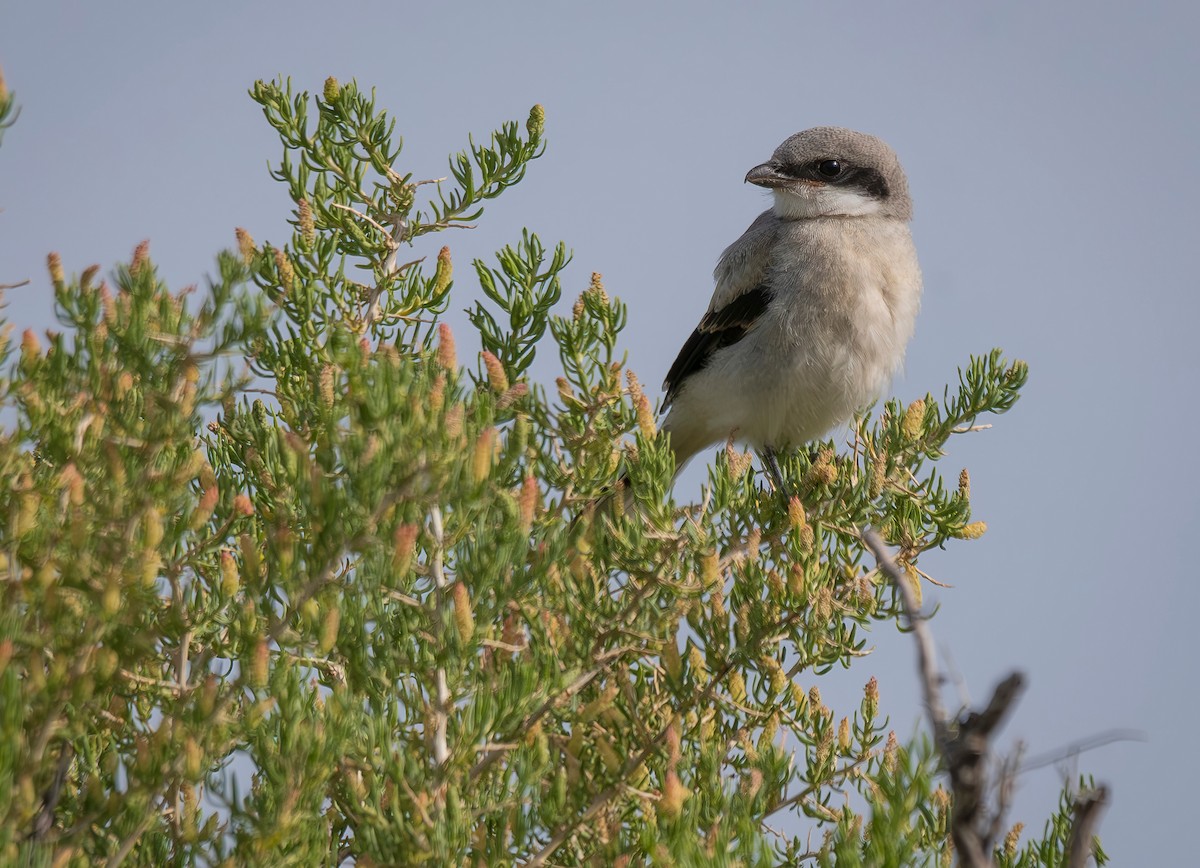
(441, 715)
(965, 747)
(1088, 808)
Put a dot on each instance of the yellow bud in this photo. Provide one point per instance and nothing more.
(697, 665)
(739, 462)
(596, 288)
(31, 347)
(54, 264)
(481, 460)
(259, 664)
(527, 502)
(193, 759)
(110, 600)
(152, 527)
(404, 543)
(250, 558)
(325, 385)
(889, 751)
(442, 274)
(447, 357)
(964, 484)
(106, 663)
(844, 735)
(437, 394)
(710, 570)
(878, 473)
(283, 265)
(329, 629)
(454, 421)
(737, 687)
(71, 480)
(822, 471)
(670, 657)
(245, 244)
(974, 530)
(304, 216)
(231, 582)
(716, 602)
(564, 388)
(914, 420)
(814, 697)
(536, 123)
(1012, 839)
(332, 89)
(141, 257)
(151, 566)
(796, 517)
(497, 378)
(464, 618)
(674, 794)
(204, 508)
(871, 698)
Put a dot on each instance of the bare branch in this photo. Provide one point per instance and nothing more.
(1088, 808)
(926, 661)
(441, 710)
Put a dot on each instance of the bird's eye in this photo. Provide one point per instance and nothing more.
(829, 168)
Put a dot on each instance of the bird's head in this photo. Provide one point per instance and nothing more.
(834, 172)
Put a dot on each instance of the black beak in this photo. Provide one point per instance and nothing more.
(766, 175)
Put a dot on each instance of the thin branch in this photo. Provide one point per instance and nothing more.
(1088, 808)
(1075, 748)
(441, 710)
(965, 746)
(43, 821)
(926, 661)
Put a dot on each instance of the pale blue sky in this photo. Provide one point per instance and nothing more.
(1052, 154)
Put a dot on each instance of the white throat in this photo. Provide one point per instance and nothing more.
(824, 201)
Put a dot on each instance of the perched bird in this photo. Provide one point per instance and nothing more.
(813, 305)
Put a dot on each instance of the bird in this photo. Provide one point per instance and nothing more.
(813, 306)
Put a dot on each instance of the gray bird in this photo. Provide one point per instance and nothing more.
(813, 305)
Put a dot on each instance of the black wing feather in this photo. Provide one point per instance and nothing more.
(719, 329)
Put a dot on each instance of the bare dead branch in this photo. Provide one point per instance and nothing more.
(1088, 808)
(441, 710)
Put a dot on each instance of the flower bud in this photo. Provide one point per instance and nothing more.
(974, 530)
(329, 629)
(54, 264)
(464, 618)
(447, 356)
(914, 420)
(245, 244)
(443, 273)
(304, 216)
(536, 124)
(481, 460)
(497, 378)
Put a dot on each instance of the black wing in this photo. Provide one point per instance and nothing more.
(719, 329)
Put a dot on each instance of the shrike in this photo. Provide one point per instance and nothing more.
(813, 305)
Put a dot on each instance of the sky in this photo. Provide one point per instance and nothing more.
(1053, 163)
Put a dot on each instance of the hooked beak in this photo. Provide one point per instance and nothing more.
(766, 175)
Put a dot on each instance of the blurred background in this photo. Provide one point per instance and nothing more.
(1052, 155)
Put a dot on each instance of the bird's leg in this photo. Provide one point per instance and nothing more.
(770, 460)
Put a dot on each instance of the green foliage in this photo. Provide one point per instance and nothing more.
(277, 524)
